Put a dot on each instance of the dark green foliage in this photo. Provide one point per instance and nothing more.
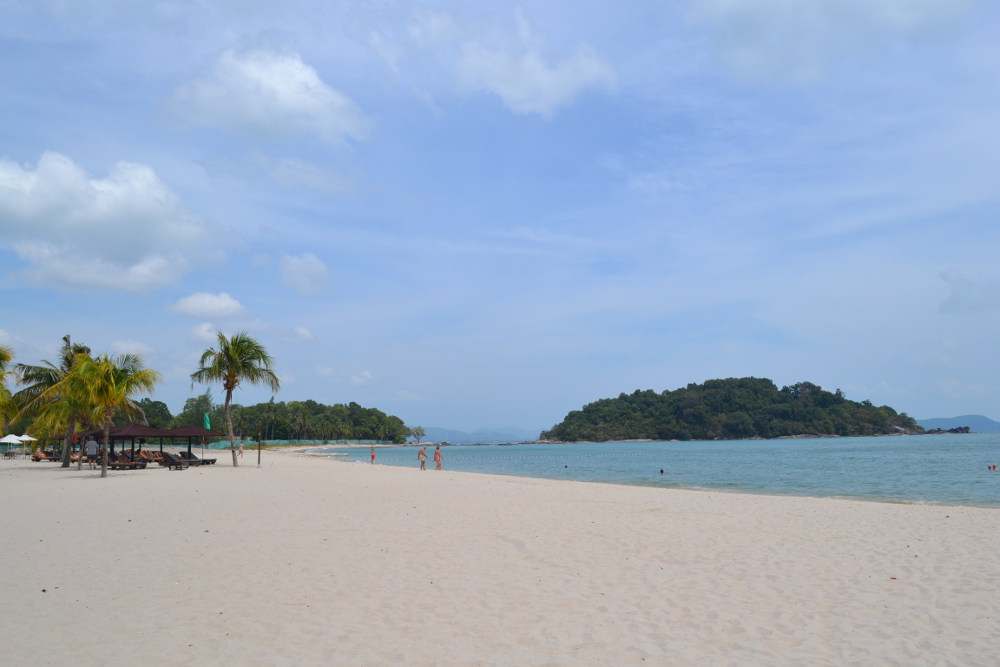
(730, 409)
(297, 420)
(157, 413)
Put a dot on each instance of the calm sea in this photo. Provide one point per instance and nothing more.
(949, 469)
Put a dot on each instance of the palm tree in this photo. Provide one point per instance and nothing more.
(7, 408)
(107, 384)
(60, 410)
(238, 358)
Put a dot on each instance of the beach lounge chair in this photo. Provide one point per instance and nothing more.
(41, 455)
(194, 460)
(150, 457)
(121, 462)
(173, 463)
(126, 460)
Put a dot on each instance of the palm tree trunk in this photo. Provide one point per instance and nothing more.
(67, 441)
(104, 455)
(229, 425)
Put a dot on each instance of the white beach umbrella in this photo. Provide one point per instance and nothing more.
(25, 439)
(10, 440)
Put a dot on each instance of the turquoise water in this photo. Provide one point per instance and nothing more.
(949, 469)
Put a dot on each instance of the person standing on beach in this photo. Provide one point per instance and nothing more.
(437, 457)
(422, 457)
(373, 454)
(241, 449)
(91, 449)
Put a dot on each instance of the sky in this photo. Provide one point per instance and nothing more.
(489, 214)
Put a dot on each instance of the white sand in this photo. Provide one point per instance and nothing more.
(307, 561)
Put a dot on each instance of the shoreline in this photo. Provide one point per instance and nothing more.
(693, 489)
(301, 562)
(921, 482)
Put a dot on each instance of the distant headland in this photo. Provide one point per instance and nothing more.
(729, 409)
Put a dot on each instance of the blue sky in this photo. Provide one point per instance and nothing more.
(488, 214)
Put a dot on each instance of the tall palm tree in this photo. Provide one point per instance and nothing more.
(7, 408)
(108, 385)
(60, 411)
(238, 358)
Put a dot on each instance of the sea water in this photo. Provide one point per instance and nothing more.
(950, 469)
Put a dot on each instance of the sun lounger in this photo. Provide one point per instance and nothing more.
(42, 456)
(194, 460)
(116, 464)
(173, 463)
(133, 465)
(150, 457)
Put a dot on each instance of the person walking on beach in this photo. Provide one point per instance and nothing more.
(373, 454)
(437, 457)
(91, 448)
(422, 457)
(241, 449)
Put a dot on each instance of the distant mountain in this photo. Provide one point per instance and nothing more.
(977, 423)
(482, 436)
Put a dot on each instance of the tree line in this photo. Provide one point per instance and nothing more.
(82, 391)
(729, 409)
(278, 420)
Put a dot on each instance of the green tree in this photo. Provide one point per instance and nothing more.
(7, 405)
(107, 384)
(195, 409)
(156, 412)
(54, 413)
(238, 359)
(418, 433)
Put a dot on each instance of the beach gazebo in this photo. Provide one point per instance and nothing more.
(129, 432)
(191, 432)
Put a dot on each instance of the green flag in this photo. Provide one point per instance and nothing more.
(208, 424)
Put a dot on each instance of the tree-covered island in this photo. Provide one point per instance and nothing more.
(729, 409)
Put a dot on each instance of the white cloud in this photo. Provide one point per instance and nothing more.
(304, 274)
(302, 333)
(203, 304)
(124, 232)
(364, 377)
(527, 84)
(800, 40)
(271, 93)
(437, 49)
(131, 347)
(204, 331)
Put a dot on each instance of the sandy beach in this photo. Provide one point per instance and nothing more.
(307, 561)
